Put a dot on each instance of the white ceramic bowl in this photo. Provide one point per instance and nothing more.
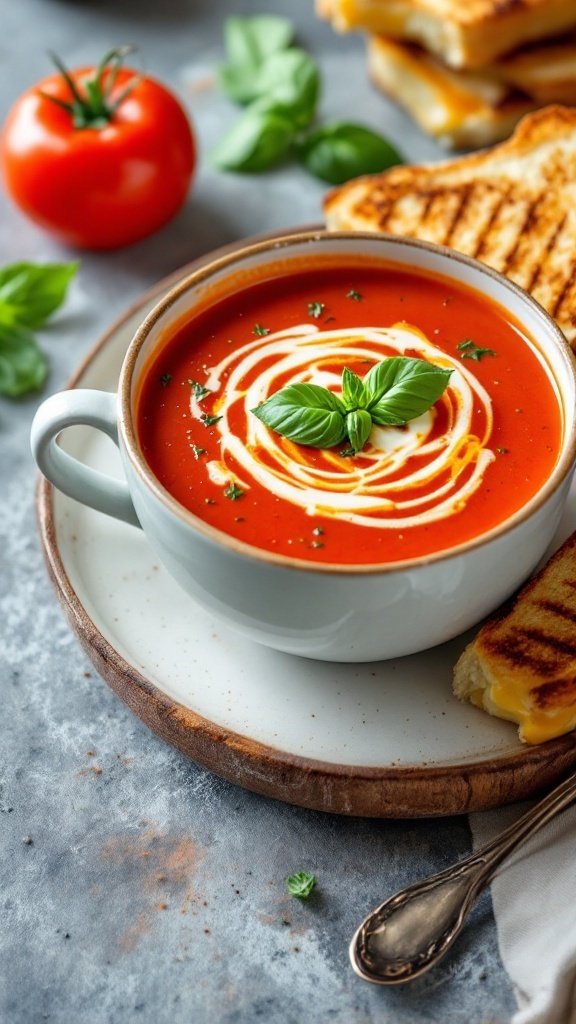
(332, 613)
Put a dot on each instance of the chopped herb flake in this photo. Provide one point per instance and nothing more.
(209, 501)
(318, 531)
(347, 452)
(502, 451)
(165, 379)
(354, 295)
(198, 390)
(470, 350)
(233, 492)
(300, 884)
(197, 450)
(209, 421)
(260, 331)
(315, 309)
(317, 544)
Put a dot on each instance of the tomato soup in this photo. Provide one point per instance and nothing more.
(457, 471)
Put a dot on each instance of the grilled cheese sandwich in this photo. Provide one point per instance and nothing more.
(461, 109)
(513, 207)
(467, 34)
(522, 664)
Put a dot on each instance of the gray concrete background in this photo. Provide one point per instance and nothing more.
(134, 885)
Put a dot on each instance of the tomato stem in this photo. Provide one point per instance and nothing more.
(91, 106)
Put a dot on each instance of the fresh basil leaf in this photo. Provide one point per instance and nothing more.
(238, 83)
(258, 140)
(289, 83)
(23, 365)
(358, 427)
(339, 151)
(249, 42)
(305, 413)
(353, 390)
(30, 293)
(400, 389)
(301, 884)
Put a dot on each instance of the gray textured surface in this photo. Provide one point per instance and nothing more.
(150, 890)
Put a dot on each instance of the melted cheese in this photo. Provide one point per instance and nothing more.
(506, 700)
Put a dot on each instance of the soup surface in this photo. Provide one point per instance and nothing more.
(477, 456)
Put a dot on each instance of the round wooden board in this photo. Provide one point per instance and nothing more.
(385, 740)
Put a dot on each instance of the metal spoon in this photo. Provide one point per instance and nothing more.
(408, 933)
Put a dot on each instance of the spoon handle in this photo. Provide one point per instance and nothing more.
(408, 933)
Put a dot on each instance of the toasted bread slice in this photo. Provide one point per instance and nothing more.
(522, 664)
(463, 33)
(461, 109)
(513, 207)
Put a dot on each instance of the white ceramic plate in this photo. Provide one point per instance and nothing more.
(385, 739)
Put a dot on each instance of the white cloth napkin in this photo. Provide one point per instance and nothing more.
(534, 899)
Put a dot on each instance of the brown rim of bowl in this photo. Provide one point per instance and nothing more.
(393, 791)
(283, 242)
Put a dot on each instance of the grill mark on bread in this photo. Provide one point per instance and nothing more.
(547, 641)
(458, 214)
(554, 693)
(427, 204)
(564, 290)
(542, 262)
(559, 299)
(516, 654)
(561, 610)
(529, 218)
(484, 238)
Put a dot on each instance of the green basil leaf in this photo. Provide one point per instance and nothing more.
(339, 151)
(305, 413)
(301, 884)
(30, 293)
(249, 42)
(258, 140)
(358, 427)
(238, 83)
(400, 389)
(23, 366)
(353, 391)
(289, 83)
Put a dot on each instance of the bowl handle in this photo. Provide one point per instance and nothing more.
(66, 409)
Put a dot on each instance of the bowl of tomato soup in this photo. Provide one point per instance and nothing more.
(350, 447)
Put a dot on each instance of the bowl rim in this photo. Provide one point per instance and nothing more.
(276, 245)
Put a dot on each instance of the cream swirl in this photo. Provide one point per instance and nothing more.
(405, 476)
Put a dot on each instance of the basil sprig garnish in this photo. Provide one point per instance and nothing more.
(279, 85)
(392, 392)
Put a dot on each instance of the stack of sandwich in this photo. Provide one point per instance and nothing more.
(466, 70)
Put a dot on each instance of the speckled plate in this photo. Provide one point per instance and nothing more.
(380, 740)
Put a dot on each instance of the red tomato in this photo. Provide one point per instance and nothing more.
(110, 181)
